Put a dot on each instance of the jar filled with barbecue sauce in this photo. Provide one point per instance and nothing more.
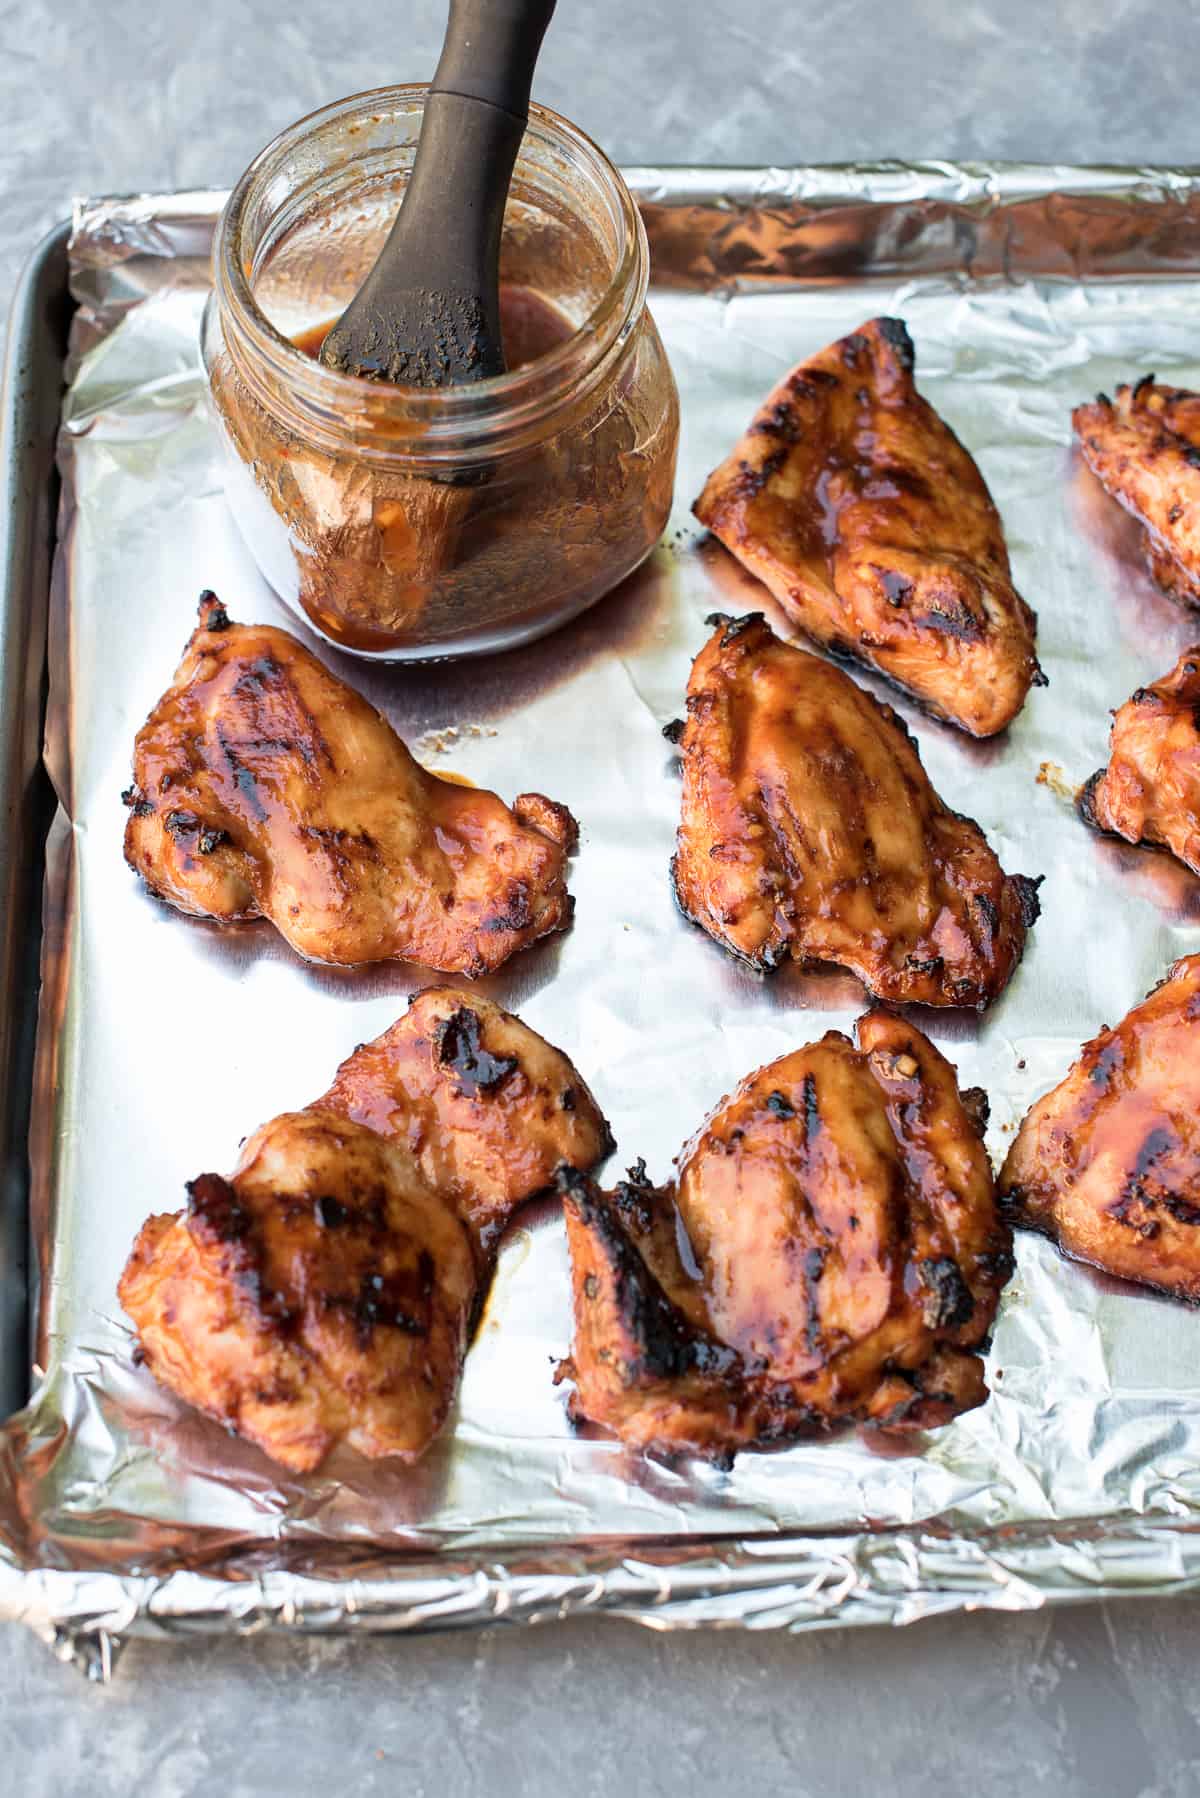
(411, 523)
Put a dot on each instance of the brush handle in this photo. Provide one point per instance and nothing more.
(475, 115)
(490, 50)
(432, 300)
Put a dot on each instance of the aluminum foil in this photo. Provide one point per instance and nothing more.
(163, 1041)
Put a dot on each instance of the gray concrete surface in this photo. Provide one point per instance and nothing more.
(1074, 1704)
(1097, 1701)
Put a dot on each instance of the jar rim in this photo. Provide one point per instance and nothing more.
(438, 422)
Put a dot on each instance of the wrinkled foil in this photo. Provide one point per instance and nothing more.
(164, 1041)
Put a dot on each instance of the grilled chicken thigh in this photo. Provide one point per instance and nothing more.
(831, 1251)
(862, 512)
(325, 1291)
(1150, 790)
(1145, 448)
(809, 828)
(1108, 1164)
(263, 786)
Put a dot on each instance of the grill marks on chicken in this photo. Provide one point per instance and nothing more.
(322, 1293)
(809, 828)
(263, 786)
(487, 1108)
(1145, 449)
(1150, 790)
(1108, 1164)
(325, 1291)
(871, 525)
(831, 1251)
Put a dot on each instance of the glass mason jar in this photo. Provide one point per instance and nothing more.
(409, 523)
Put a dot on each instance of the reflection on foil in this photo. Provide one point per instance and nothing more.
(163, 1041)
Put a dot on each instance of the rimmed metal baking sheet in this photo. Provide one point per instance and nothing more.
(163, 1041)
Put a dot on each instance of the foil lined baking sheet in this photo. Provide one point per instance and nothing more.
(164, 1041)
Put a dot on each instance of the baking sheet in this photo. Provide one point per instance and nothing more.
(163, 1041)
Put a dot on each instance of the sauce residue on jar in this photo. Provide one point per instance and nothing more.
(391, 554)
(530, 327)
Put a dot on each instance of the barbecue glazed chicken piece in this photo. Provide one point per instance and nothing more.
(1145, 450)
(263, 786)
(326, 1291)
(862, 512)
(1108, 1164)
(809, 828)
(1150, 790)
(830, 1252)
